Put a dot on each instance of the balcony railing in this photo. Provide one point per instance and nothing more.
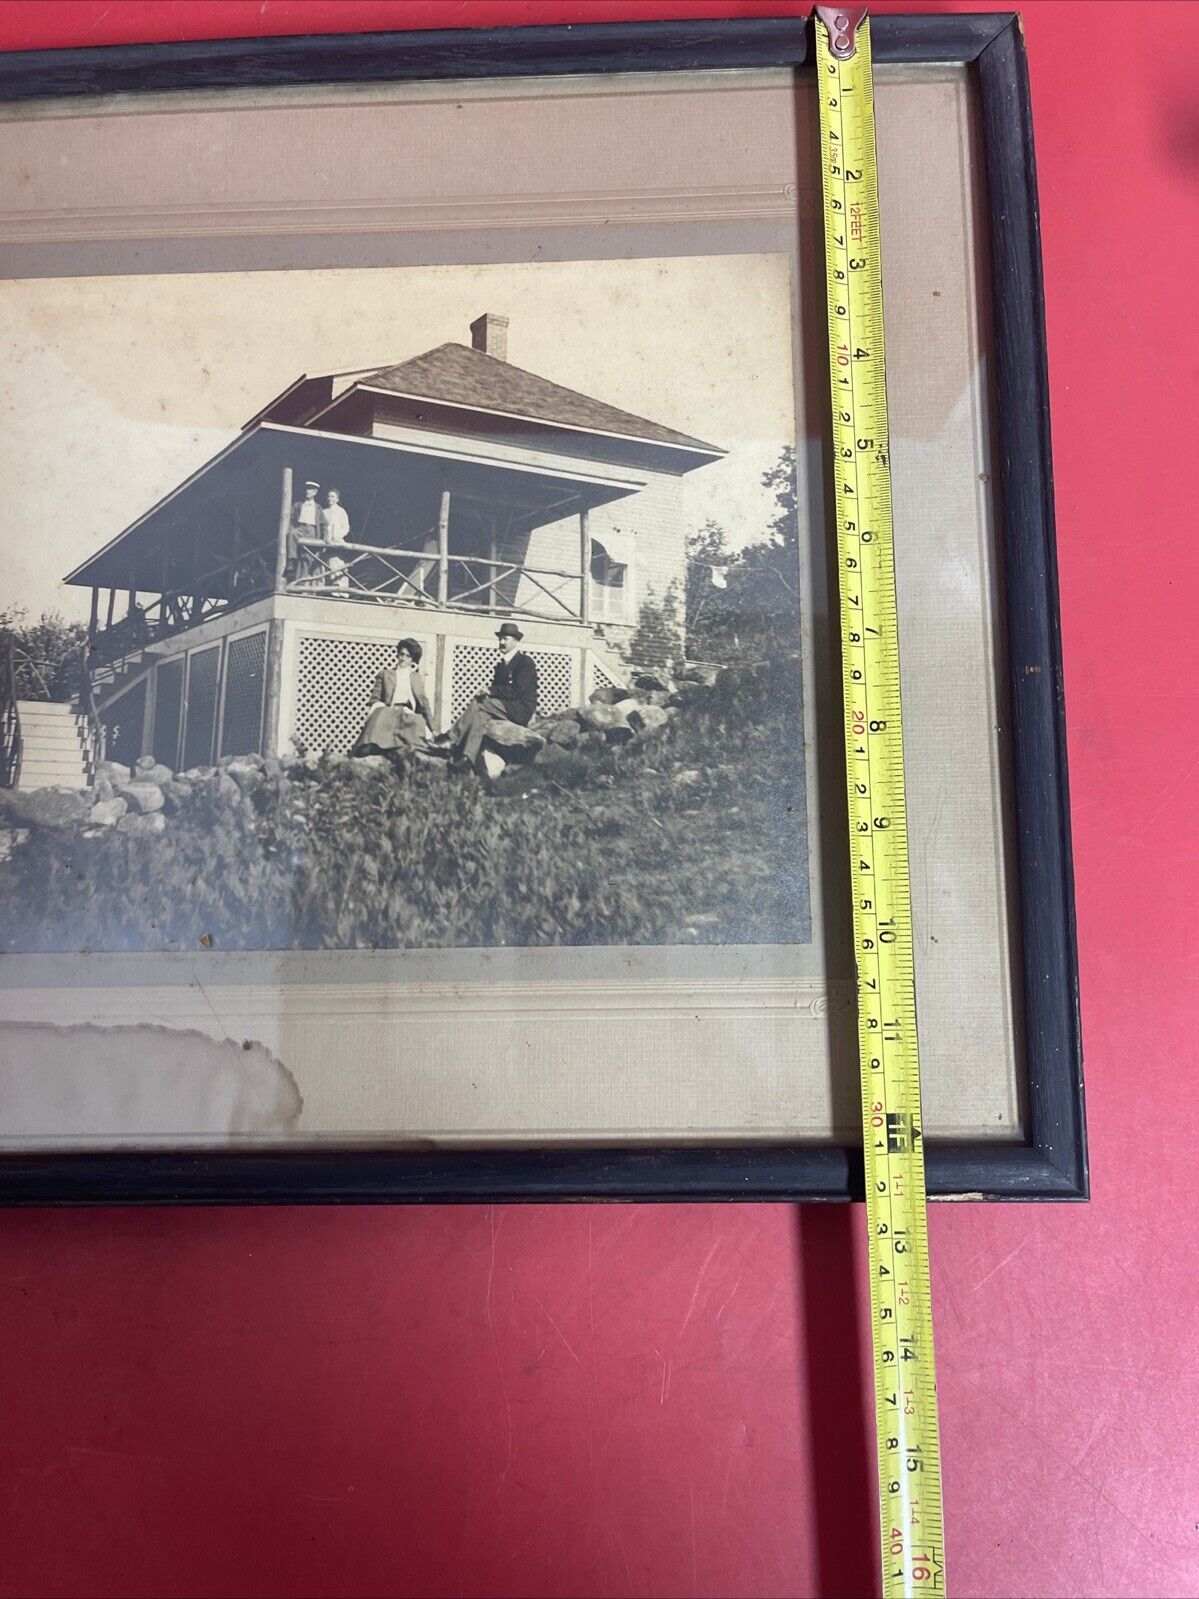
(366, 573)
(94, 731)
(237, 580)
(384, 576)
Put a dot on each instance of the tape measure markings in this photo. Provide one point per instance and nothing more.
(900, 1300)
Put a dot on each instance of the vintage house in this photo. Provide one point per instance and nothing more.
(474, 490)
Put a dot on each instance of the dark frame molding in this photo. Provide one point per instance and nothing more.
(1052, 1163)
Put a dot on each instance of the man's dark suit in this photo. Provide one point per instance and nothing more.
(514, 681)
(513, 698)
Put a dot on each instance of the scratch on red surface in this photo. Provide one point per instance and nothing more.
(737, 1440)
(1181, 782)
(545, 1312)
(694, 1563)
(1011, 1255)
(698, 1282)
(728, 1299)
(1047, 1443)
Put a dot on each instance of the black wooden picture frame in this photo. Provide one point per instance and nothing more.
(1051, 1163)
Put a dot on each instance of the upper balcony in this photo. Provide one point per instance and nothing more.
(438, 525)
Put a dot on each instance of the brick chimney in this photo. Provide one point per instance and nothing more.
(489, 333)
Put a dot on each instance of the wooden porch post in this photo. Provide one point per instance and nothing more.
(585, 566)
(273, 694)
(285, 503)
(272, 689)
(150, 712)
(493, 547)
(443, 549)
(94, 623)
(112, 602)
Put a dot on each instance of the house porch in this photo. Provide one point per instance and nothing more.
(292, 672)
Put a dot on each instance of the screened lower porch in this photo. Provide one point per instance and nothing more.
(292, 675)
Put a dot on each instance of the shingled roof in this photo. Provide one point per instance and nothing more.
(455, 374)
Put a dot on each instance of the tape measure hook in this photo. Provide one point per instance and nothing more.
(842, 23)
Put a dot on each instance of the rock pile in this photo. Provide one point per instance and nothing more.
(137, 800)
(613, 715)
(141, 800)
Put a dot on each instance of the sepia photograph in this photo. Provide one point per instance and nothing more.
(422, 608)
(421, 723)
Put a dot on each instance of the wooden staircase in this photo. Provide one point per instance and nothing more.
(107, 682)
(54, 744)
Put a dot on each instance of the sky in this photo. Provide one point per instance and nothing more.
(116, 388)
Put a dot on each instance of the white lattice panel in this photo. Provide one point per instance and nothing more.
(555, 680)
(471, 668)
(472, 665)
(333, 687)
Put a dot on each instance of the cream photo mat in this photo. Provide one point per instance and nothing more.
(558, 1045)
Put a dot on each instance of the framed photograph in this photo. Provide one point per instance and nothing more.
(421, 764)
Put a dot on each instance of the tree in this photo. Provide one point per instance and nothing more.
(708, 560)
(47, 654)
(747, 603)
(784, 525)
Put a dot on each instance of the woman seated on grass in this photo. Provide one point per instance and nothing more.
(399, 717)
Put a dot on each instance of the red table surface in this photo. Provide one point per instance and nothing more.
(640, 1400)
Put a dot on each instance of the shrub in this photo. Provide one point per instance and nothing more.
(48, 654)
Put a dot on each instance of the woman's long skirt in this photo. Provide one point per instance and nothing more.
(390, 727)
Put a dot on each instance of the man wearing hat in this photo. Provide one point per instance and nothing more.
(511, 698)
(305, 524)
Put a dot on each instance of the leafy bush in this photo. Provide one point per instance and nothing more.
(744, 604)
(694, 835)
(48, 654)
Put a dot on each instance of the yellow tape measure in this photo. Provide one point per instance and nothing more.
(905, 1392)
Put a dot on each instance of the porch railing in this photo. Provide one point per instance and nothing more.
(371, 573)
(11, 742)
(237, 579)
(382, 575)
(93, 727)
